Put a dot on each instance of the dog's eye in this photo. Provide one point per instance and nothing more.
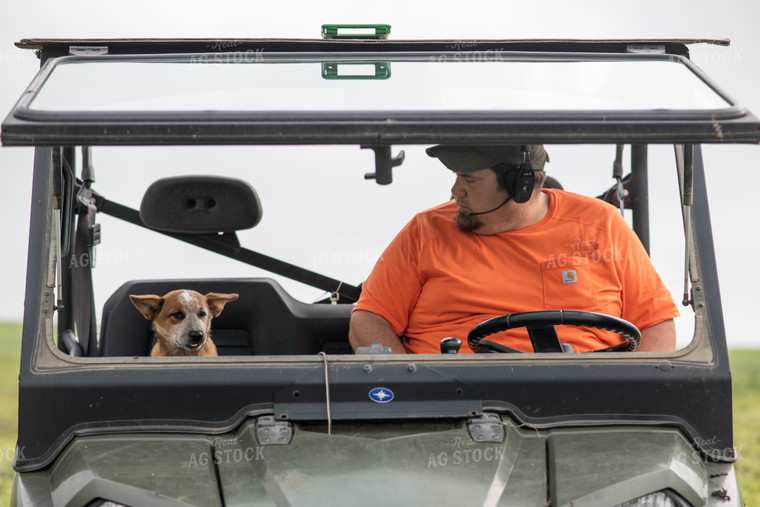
(201, 314)
(178, 315)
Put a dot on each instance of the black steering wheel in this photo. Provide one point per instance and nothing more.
(544, 338)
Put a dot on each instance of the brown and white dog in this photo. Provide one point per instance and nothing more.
(182, 321)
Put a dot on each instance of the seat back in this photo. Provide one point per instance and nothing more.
(265, 320)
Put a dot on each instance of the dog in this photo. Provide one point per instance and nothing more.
(182, 321)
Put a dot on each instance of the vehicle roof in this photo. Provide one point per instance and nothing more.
(42, 43)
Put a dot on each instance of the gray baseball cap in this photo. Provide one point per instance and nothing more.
(465, 159)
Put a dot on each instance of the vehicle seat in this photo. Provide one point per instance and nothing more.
(551, 182)
(265, 320)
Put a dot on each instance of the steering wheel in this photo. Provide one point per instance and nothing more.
(544, 338)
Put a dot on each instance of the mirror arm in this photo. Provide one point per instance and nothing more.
(384, 164)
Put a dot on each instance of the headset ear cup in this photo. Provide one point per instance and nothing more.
(519, 182)
(522, 183)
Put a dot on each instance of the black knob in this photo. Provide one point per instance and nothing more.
(450, 345)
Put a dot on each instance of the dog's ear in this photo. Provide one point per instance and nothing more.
(149, 305)
(216, 302)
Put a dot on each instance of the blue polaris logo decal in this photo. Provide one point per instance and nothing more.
(381, 395)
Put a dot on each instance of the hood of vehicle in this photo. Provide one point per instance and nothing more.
(412, 463)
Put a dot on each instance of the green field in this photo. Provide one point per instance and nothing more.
(745, 366)
(10, 351)
(745, 369)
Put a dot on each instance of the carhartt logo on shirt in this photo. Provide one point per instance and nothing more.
(569, 276)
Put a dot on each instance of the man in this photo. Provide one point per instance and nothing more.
(484, 254)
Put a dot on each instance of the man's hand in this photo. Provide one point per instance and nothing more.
(659, 338)
(368, 328)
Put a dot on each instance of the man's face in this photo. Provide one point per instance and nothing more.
(475, 192)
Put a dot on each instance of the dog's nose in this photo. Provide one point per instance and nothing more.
(195, 336)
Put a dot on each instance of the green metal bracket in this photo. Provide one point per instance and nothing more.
(355, 31)
(356, 70)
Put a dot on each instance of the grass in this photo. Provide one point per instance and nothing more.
(745, 366)
(10, 352)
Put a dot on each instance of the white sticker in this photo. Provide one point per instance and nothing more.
(569, 276)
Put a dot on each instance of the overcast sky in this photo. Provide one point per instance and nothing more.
(732, 171)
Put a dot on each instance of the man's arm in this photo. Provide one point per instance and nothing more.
(659, 338)
(368, 328)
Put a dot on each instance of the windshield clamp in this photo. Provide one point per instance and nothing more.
(486, 429)
(88, 50)
(645, 48)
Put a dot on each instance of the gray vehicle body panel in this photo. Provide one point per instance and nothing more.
(400, 464)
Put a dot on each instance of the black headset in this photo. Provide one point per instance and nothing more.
(519, 181)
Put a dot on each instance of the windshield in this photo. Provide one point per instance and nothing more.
(483, 82)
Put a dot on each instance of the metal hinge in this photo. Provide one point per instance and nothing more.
(88, 50)
(486, 429)
(646, 48)
(270, 431)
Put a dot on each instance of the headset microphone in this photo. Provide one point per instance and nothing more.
(491, 211)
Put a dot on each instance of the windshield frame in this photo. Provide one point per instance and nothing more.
(28, 126)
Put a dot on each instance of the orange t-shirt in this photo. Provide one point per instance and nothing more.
(435, 281)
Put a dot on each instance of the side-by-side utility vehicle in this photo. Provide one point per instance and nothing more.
(278, 170)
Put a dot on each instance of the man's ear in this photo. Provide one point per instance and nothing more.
(149, 305)
(216, 302)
